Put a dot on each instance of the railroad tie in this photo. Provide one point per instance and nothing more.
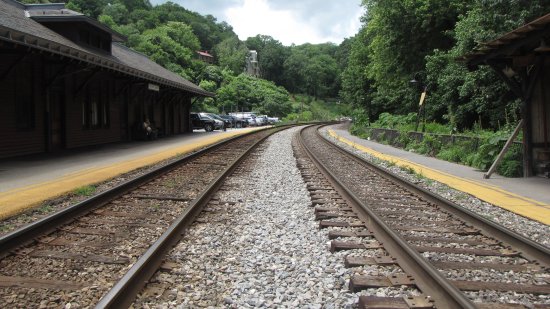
(357, 261)
(358, 283)
(338, 234)
(344, 245)
(325, 224)
(407, 302)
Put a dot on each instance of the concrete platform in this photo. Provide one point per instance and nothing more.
(529, 197)
(27, 181)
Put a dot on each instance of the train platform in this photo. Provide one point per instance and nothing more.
(529, 197)
(27, 181)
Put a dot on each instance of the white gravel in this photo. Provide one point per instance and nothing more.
(265, 250)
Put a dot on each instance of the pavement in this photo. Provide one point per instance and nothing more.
(529, 197)
(27, 181)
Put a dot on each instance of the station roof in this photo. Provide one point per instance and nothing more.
(528, 39)
(17, 26)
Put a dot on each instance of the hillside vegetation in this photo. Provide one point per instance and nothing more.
(399, 40)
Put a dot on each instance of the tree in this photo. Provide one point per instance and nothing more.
(90, 8)
(117, 11)
(312, 69)
(466, 97)
(356, 87)
(172, 46)
(271, 56)
(247, 93)
(231, 54)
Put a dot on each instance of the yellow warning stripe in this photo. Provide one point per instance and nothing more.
(520, 205)
(17, 200)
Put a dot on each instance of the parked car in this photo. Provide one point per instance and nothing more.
(199, 121)
(251, 121)
(218, 124)
(261, 120)
(234, 121)
(226, 124)
(247, 117)
(272, 120)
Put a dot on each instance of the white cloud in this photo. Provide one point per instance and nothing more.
(288, 21)
(254, 17)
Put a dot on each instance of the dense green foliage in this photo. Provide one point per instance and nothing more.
(245, 93)
(422, 39)
(307, 108)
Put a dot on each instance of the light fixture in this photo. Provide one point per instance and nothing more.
(542, 47)
(508, 71)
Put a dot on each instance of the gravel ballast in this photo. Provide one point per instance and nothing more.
(265, 250)
(529, 228)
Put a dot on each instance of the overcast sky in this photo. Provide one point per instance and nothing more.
(288, 21)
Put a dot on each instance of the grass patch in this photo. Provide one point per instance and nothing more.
(45, 209)
(85, 191)
(170, 183)
(408, 170)
(5, 227)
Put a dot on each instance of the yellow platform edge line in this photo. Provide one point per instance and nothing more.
(515, 203)
(15, 201)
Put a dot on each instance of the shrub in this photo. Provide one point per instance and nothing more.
(486, 153)
(452, 154)
(512, 163)
(432, 144)
(403, 139)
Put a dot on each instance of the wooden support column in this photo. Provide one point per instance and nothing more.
(529, 78)
(524, 88)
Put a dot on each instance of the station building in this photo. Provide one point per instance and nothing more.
(522, 59)
(67, 81)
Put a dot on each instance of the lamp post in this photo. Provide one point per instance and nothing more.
(419, 80)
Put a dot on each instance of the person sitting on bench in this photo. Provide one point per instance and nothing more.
(149, 131)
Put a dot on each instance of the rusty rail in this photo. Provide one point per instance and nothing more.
(528, 247)
(427, 277)
(125, 290)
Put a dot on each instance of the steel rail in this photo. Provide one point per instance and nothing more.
(123, 293)
(50, 223)
(530, 249)
(426, 276)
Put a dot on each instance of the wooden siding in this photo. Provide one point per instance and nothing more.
(24, 77)
(59, 88)
(540, 109)
(186, 123)
(79, 135)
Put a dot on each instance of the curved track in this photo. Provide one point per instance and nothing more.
(456, 258)
(103, 250)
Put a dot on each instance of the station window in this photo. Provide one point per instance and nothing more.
(95, 109)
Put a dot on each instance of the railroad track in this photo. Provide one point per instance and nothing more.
(102, 251)
(416, 245)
